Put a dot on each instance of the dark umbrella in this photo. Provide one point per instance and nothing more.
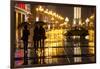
(81, 32)
(21, 25)
(40, 23)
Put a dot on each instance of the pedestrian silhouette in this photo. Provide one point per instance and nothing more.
(38, 38)
(25, 35)
(42, 38)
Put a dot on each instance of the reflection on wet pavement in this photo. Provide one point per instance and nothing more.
(58, 50)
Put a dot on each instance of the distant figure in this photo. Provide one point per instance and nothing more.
(25, 34)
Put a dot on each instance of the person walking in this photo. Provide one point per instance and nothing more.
(42, 38)
(25, 34)
(36, 38)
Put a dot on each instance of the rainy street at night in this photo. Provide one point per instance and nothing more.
(54, 34)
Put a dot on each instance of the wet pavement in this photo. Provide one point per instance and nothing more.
(57, 50)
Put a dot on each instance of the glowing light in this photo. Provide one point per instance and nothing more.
(45, 20)
(65, 22)
(83, 22)
(80, 22)
(79, 12)
(52, 18)
(67, 19)
(54, 14)
(74, 12)
(87, 37)
(46, 11)
(56, 22)
(62, 18)
(91, 17)
(91, 35)
(37, 9)
(61, 24)
(91, 43)
(91, 50)
(87, 20)
(57, 15)
(50, 12)
(48, 26)
(37, 18)
(40, 7)
(74, 22)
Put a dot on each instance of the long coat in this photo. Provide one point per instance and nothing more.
(39, 33)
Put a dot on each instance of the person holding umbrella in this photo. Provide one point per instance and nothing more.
(38, 38)
(25, 35)
(42, 38)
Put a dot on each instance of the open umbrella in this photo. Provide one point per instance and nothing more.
(40, 23)
(21, 25)
(81, 32)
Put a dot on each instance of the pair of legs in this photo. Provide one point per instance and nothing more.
(39, 44)
(25, 52)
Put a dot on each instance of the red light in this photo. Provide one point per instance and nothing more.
(21, 5)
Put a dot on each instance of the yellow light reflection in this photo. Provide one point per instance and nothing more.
(37, 9)
(54, 39)
(91, 41)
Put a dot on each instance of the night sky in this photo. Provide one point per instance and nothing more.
(68, 10)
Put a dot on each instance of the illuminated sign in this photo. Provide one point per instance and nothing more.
(21, 5)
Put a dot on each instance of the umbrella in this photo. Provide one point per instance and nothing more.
(82, 32)
(40, 23)
(21, 25)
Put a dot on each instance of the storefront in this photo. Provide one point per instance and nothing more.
(22, 12)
